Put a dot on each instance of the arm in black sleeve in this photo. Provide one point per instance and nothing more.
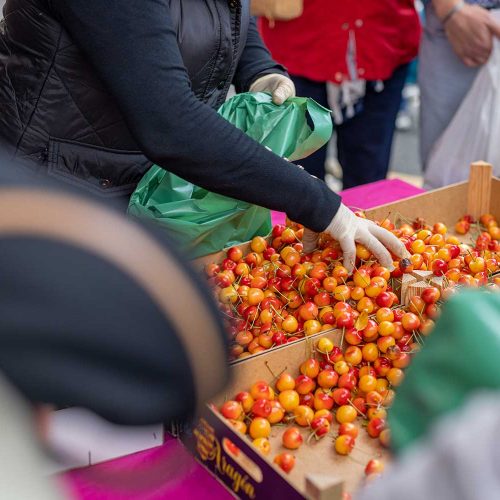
(133, 47)
(256, 61)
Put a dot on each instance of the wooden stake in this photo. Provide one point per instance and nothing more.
(413, 290)
(406, 281)
(479, 192)
(324, 487)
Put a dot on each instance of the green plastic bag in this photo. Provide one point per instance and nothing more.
(459, 358)
(205, 222)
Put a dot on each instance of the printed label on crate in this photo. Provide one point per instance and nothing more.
(216, 454)
(234, 461)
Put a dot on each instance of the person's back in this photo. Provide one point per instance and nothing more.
(57, 114)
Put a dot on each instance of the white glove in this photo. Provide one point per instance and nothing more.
(348, 229)
(278, 85)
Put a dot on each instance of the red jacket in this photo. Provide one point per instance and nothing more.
(386, 34)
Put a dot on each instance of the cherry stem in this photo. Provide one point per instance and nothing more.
(342, 338)
(277, 312)
(354, 460)
(357, 409)
(313, 433)
(270, 371)
(366, 452)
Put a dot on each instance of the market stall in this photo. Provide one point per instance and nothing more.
(231, 457)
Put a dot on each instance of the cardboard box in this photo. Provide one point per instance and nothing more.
(318, 470)
(477, 196)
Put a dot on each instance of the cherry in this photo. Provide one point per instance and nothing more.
(344, 444)
(347, 381)
(263, 445)
(346, 414)
(279, 338)
(322, 401)
(307, 400)
(374, 466)
(431, 295)
(303, 415)
(286, 461)
(232, 410)
(320, 426)
(261, 390)
(246, 401)
(324, 413)
(360, 404)
(341, 396)
(285, 382)
(327, 379)
(348, 429)
(439, 267)
(375, 427)
(277, 413)
(385, 438)
(304, 384)
(289, 399)
(262, 408)
(310, 367)
(259, 427)
(292, 438)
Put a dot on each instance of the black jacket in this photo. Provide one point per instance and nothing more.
(94, 91)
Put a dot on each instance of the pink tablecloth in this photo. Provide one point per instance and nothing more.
(169, 471)
(369, 196)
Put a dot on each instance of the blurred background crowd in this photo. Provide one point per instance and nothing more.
(385, 83)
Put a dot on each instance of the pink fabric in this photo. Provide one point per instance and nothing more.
(277, 217)
(378, 193)
(368, 196)
(169, 471)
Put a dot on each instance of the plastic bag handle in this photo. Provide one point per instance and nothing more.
(321, 131)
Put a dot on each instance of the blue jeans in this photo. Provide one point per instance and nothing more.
(363, 142)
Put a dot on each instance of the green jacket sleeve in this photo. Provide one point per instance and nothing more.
(460, 357)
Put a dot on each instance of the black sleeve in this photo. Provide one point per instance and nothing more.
(133, 47)
(256, 61)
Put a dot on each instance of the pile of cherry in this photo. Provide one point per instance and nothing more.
(332, 385)
(276, 294)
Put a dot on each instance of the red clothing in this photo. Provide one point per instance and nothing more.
(315, 45)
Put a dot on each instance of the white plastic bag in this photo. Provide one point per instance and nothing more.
(474, 132)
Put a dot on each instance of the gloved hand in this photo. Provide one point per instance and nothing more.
(348, 229)
(278, 85)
